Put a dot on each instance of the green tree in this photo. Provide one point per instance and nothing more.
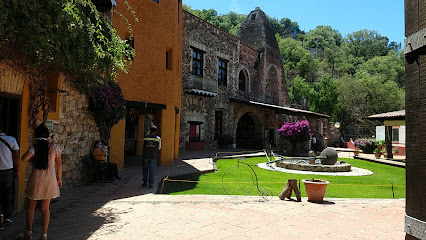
(284, 27)
(366, 44)
(327, 42)
(391, 67)
(365, 94)
(67, 36)
(298, 90)
(324, 97)
(296, 58)
(230, 22)
(323, 37)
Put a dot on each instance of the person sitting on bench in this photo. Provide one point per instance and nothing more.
(100, 155)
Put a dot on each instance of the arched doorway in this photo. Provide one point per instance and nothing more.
(248, 132)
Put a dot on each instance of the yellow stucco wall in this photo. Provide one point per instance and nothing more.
(23, 144)
(394, 122)
(117, 144)
(159, 30)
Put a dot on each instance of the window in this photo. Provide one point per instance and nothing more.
(395, 134)
(194, 131)
(197, 62)
(242, 82)
(217, 124)
(169, 59)
(222, 73)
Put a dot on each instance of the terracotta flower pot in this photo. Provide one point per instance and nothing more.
(377, 154)
(315, 189)
(356, 152)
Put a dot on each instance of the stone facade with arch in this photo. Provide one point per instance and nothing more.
(235, 85)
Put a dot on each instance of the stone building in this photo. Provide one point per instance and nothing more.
(235, 85)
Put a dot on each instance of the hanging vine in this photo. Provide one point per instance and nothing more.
(66, 36)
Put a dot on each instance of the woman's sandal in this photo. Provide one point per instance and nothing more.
(43, 237)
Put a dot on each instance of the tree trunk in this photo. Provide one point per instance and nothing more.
(38, 97)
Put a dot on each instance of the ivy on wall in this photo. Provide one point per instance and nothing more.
(67, 36)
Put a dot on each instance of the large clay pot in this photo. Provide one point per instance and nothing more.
(356, 152)
(315, 189)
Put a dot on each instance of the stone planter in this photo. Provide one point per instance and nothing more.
(315, 189)
(293, 149)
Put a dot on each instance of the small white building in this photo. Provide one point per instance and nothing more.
(393, 128)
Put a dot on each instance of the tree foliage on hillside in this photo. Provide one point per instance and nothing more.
(296, 59)
(348, 77)
(230, 22)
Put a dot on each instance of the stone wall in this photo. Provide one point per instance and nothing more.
(257, 33)
(216, 43)
(75, 132)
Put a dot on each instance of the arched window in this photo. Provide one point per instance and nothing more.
(242, 81)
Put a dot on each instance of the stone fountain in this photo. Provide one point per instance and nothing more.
(325, 162)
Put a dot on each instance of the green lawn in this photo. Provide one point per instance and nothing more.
(373, 186)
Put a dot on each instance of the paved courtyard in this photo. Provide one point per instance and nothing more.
(222, 217)
(124, 210)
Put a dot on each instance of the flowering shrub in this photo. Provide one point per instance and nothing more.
(296, 132)
(366, 145)
(225, 139)
(110, 103)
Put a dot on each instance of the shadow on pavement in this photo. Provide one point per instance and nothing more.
(79, 212)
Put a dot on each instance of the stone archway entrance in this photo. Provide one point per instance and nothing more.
(248, 132)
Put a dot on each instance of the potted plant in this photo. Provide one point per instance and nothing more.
(315, 189)
(377, 153)
(225, 140)
(380, 144)
(356, 151)
(395, 151)
(297, 133)
(384, 153)
(366, 145)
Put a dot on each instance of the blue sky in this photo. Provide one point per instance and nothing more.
(346, 16)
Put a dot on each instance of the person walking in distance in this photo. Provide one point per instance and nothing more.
(151, 146)
(44, 181)
(9, 166)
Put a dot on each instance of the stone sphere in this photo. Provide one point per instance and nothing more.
(328, 156)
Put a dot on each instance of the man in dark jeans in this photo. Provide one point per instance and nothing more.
(9, 166)
(151, 146)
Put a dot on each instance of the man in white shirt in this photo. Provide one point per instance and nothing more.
(9, 166)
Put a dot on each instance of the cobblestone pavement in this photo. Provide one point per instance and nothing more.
(124, 210)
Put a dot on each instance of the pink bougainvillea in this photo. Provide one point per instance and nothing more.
(297, 132)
